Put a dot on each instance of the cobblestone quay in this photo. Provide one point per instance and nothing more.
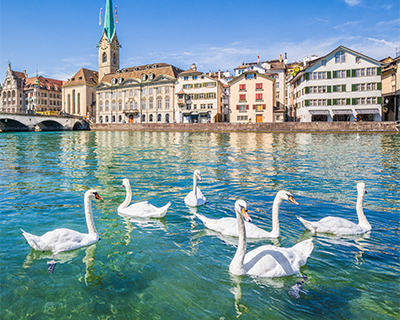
(391, 126)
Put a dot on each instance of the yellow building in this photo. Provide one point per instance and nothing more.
(252, 98)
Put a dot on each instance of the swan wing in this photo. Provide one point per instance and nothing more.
(337, 226)
(145, 210)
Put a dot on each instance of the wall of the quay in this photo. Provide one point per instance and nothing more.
(261, 127)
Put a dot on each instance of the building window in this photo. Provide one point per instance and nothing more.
(242, 118)
(131, 105)
(340, 57)
(277, 85)
(167, 118)
(259, 96)
(107, 107)
(358, 59)
(166, 89)
(250, 76)
(159, 104)
(194, 77)
(259, 86)
(105, 60)
(106, 119)
(101, 106)
(371, 71)
(113, 105)
(159, 117)
(143, 118)
(166, 103)
(203, 106)
(150, 90)
(159, 90)
(143, 104)
(241, 108)
(131, 93)
(186, 78)
(242, 97)
(114, 60)
(211, 95)
(259, 107)
(209, 106)
(120, 118)
(242, 87)
(151, 118)
(120, 105)
(323, 62)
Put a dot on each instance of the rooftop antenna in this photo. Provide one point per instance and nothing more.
(397, 51)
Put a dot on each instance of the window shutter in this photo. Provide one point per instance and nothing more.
(215, 84)
(255, 76)
(334, 88)
(254, 107)
(204, 84)
(379, 100)
(196, 96)
(247, 107)
(348, 101)
(307, 102)
(264, 106)
(307, 89)
(329, 102)
(329, 88)
(353, 72)
(379, 85)
(334, 74)
(237, 107)
(343, 87)
(353, 87)
(191, 86)
(329, 74)
(354, 101)
(334, 102)
(379, 71)
(348, 73)
(307, 76)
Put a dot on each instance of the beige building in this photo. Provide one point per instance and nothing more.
(79, 94)
(390, 89)
(253, 98)
(199, 97)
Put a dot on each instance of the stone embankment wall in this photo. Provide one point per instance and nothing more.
(260, 127)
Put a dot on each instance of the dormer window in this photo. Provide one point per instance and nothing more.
(120, 80)
(114, 81)
(151, 76)
(340, 57)
(144, 77)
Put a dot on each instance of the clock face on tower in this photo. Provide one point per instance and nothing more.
(115, 45)
(104, 44)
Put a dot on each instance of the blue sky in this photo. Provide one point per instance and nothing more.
(60, 37)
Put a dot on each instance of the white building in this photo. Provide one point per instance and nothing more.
(340, 86)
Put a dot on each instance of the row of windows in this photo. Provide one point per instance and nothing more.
(191, 96)
(131, 104)
(200, 85)
(202, 106)
(112, 119)
(242, 118)
(341, 57)
(348, 73)
(135, 92)
(242, 87)
(259, 97)
(342, 88)
(244, 107)
(347, 101)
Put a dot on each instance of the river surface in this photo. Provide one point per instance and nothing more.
(174, 268)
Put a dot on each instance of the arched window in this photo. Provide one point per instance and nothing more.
(69, 104)
(167, 118)
(114, 58)
(159, 117)
(73, 101)
(106, 119)
(79, 104)
(120, 118)
(113, 118)
(340, 57)
(104, 57)
(107, 106)
(101, 119)
(151, 118)
(143, 118)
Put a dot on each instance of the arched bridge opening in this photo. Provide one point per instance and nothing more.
(49, 125)
(9, 125)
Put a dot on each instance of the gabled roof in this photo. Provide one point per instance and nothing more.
(190, 72)
(263, 75)
(45, 83)
(83, 77)
(158, 69)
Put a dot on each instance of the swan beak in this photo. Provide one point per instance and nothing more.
(246, 215)
(291, 199)
(97, 196)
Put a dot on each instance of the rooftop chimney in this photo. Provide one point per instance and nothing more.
(280, 58)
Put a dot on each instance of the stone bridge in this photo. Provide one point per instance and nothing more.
(38, 122)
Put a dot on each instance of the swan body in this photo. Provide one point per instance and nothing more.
(341, 226)
(63, 239)
(140, 209)
(195, 197)
(229, 226)
(266, 261)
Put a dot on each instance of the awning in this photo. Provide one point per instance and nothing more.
(342, 111)
(367, 111)
(317, 112)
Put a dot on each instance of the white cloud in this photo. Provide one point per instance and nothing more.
(353, 2)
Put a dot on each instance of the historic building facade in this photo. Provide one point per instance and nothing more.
(252, 98)
(341, 86)
(391, 89)
(200, 97)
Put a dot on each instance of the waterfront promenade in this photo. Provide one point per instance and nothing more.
(391, 126)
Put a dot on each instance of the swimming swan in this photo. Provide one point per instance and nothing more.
(195, 197)
(229, 226)
(63, 239)
(140, 209)
(340, 226)
(266, 261)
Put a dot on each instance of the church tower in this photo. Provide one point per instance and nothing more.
(108, 45)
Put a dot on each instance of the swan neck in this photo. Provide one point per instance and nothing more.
(195, 185)
(275, 216)
(236, 266)
(362, 219)
(89, 217)
(128, 198)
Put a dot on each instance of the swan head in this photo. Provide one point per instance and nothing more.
(197, 174)
(241, 207)
(125, 183)
(92, 194)
(361, 188)
(285, 195)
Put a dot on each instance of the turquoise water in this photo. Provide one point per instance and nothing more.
(173, 268)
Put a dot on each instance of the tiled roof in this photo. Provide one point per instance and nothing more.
(83, 77)
(190, 71)
(45, 83)
(157, 69)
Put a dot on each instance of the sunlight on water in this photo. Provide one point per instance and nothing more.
(175, 268)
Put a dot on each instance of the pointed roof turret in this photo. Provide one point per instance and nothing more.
(109, 27)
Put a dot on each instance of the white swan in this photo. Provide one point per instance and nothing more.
(340, 226)
(63, 239)
(140, 209)
(266, 261)
(229, 226)
(195, 197)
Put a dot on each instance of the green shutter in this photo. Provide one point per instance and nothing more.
(379, 85)
(353, 87)
(307, 103)
(206, 95)
(353, 72)
(348, 101)
(354, 101)
(307, 76)
(348, 73)
(215, 84)
(329, 88)
(380, 100)
(329, 75)
(379, 71)
(204, 84)
(196, 96)
(334, 102)
(334, 74)
(329, 102)
(307, 89)
(334, 89)
(343, 87)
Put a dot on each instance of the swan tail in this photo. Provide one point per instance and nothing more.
(205, 220)
(304, 248)
(163, 210)
(32, 240)
(307, 224)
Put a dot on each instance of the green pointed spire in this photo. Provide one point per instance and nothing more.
(109, 27)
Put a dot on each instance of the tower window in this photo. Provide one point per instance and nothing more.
(114, 58)
(104, 57)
